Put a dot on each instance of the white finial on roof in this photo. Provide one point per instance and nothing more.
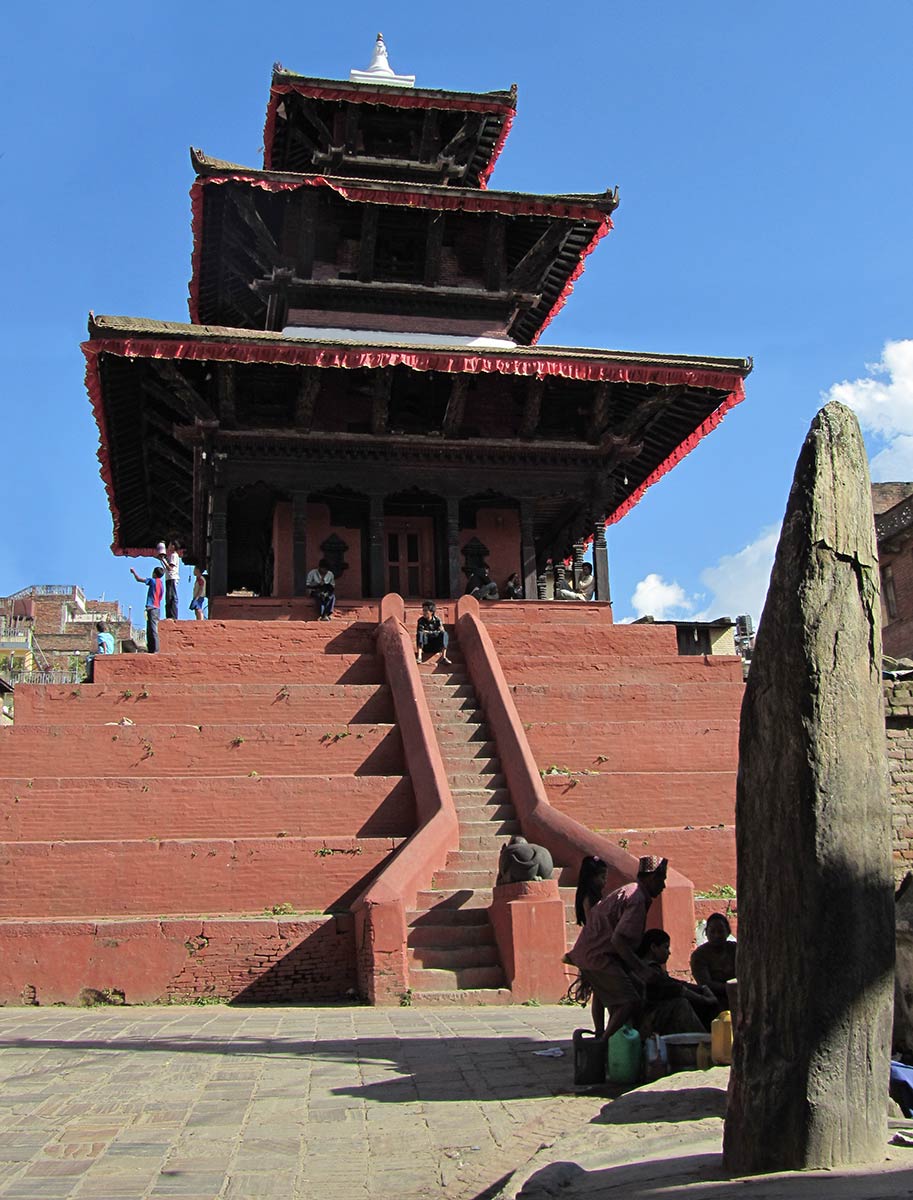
(379, 69)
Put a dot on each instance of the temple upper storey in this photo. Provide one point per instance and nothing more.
(377, 125)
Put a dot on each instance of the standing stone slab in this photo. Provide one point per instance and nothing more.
(816, 938)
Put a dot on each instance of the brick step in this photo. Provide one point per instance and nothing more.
(164, 703)
(444, 677)
(472, 860)
(460, 879)
(462, 732)
(422, 979)
(443, 898)
(619, 798)
(235, 749)
(653, 746)
(488, 814)
(601, 640)
(438, 917)
(467, 997)
(523, 669)
(449, 937)
(133, 670)
(486, 835)
(547, 612)
(457, 957)
(171, 876)
(628, 701)
(705, 854)
(461, 780)
(334, 637)
(280, 609)
(471, 751)
(451, 710)
(182, 806)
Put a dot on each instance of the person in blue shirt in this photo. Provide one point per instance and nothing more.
(104, 639)
(154, 595)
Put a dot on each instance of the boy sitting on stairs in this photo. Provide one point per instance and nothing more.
(430, 634)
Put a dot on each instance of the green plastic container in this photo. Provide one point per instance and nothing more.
(624, 1056)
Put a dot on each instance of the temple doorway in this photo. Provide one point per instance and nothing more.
(409, 543)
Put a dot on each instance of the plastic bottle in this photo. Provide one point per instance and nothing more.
(721, 1039)
(656, 1060)
(589, 1059)
(624, 1055)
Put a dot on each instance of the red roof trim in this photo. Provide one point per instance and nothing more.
(93, 387)
(480, 201)
(386, 97)
(485, 175)
(419, 360)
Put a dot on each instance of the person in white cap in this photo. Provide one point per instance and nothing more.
(170, 558)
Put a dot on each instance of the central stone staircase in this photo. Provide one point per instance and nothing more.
(451, 945)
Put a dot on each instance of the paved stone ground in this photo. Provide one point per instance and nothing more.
(241, 1103)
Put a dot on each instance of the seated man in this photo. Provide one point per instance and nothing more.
(481, 585)
(586, 586)
(605, 953)
(520, 861)
(321, 584)
(430, 634)
(670, 1006)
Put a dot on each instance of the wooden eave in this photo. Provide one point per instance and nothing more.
(490, 114)
(241, 253)
(154, 389)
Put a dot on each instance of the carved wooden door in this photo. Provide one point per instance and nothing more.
(409, 553)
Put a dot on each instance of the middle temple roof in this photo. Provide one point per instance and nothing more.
(274, 248)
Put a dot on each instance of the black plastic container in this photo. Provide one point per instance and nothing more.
(589, 1058)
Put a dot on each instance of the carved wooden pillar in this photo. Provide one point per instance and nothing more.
(542, 585)
(218, 543)
(454, 574)
(528, 550)
(558, 576)
(300, 542)
(376, 574)
(601, 559)
(576, 563)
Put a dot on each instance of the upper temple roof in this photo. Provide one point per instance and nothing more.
(375, 131)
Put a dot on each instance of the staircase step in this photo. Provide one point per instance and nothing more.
(459, 898)
(470, 752)
(466, 997)
(449, 937)
(486, 835)
(490, 814)
(438, 980)
(457, 957)
(461, 780)
(449, 879)
(471, 860)
(457, 733)
(439, 916)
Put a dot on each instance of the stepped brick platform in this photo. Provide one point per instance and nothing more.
(203, 821)
(642, 746)
(153, 821)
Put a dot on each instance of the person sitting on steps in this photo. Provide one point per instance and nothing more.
(321, 584)
(481, 585)
(430, 635)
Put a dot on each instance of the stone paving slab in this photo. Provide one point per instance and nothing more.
(283, 1103)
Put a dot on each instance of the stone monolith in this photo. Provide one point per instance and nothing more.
(815, 897)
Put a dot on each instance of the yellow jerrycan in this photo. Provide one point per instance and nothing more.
(721, 1039)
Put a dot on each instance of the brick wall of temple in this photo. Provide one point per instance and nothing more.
(899, 729)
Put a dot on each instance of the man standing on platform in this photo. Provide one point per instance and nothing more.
(605, 952)
(156, 587)
(170, 558)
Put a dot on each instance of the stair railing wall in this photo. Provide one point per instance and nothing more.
(566, 839)
(380, 911)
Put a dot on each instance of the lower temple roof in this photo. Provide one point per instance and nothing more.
(611, 422)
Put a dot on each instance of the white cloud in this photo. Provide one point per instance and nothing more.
(883, 401)
(738, 582)
(656, 598)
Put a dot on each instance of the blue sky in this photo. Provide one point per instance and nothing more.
(762, 154)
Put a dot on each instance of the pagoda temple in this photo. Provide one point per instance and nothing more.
(360, 379)
(274, 808)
